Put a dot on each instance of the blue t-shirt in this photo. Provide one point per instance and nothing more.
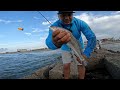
(77, 27)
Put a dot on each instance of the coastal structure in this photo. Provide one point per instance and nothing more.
(22, 50)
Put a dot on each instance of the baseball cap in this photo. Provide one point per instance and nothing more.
(60, 12)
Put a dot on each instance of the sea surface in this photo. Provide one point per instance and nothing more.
(113, 47)
(18, 65)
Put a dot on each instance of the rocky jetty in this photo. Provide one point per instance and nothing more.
(103, 64)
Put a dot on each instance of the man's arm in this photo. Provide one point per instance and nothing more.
(57, 38)
(90, 36)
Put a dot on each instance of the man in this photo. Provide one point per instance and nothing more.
(58, 39)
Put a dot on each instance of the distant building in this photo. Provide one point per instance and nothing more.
(3, 49)
(21, 50)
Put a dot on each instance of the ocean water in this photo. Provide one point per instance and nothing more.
(18, 65)
(113, 47)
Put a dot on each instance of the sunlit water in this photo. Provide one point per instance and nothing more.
(18, 65)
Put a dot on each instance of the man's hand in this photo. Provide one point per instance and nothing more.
(85, 57)
(89, 59)
(60, 37)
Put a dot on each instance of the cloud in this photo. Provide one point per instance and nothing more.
(38, 30)
(86, 17)
(28, 34)
(35, 30)
(117, 12)
(43, 38)
(36, 18)
(103, 26)
(9, 21)
(51, 21)
(45, 23)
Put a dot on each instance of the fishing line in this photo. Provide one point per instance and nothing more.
(44, 17)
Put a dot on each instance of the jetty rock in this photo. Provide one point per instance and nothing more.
(102, 59)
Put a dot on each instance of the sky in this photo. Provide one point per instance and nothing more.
(105, 24)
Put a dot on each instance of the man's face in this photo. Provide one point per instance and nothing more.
(66, 17)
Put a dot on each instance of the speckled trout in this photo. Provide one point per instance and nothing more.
(74, 44)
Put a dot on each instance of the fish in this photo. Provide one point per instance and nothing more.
(74, 44)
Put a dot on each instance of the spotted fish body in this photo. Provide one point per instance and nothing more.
(73, 44)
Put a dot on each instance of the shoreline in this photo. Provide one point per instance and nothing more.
(46, 49)
(98, 69)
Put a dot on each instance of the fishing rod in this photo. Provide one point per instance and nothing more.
(44, 17)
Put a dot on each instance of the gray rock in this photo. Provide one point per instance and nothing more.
(57, 71)
(42, 73)
(99, 59)
(112, 64)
